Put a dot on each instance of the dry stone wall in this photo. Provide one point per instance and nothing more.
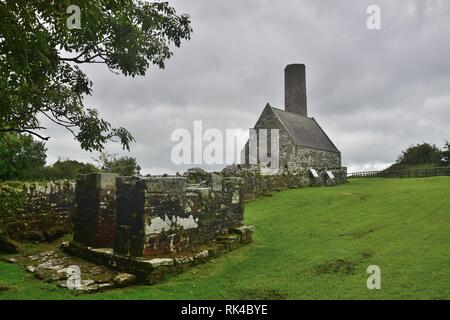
(261, 181)
(158, 215)
(38, 212)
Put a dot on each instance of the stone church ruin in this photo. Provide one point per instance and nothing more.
(303, 144)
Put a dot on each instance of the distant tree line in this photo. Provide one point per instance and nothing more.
(24, 158)
(424, 154)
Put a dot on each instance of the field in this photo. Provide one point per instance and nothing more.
(312, 243)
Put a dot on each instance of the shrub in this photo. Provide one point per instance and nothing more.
(424, 153)
(124, 166)
(12, 202)
(67, 169)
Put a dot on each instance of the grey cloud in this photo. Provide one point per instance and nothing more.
(374, 92)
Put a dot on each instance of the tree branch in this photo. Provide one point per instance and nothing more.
(27, 131)
(81, 61)
(60, 123)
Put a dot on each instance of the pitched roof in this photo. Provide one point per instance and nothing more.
(305, 131)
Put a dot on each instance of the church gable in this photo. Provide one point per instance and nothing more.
(269, 120)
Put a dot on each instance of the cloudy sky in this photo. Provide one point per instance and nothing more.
(374, 92)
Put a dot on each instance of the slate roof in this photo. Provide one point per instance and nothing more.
(305, 131)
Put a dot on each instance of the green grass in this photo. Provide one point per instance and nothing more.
(313, 243)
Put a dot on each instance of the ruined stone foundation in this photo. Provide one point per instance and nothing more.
(153, 226)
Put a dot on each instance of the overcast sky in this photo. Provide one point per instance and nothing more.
(374, 92)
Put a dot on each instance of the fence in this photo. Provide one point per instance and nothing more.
(406, 173)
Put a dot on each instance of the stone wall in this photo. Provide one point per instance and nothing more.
(316, 158)
(43, 214)
(261, 181)
(159, 215)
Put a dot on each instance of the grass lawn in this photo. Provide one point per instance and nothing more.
(312, 243)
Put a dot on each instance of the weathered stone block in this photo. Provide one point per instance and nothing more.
(165, 184)
(159, 262)
(94, 220)
(203, 192)
(215, 182)
(246, 233)
(106, 181)
(124, 279)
